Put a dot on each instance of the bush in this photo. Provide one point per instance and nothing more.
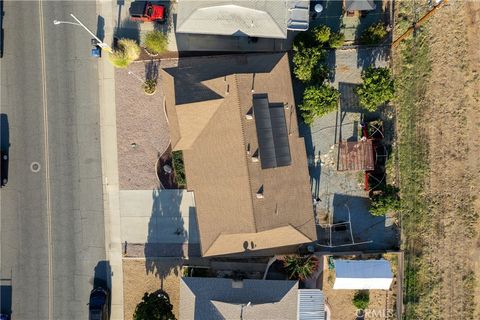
(318, 101)
(336, 40)
(179, 168)
(300, 268)
(154, 306)
(374, 34)
(377, 88)
(306, 62)
(361, 299)
(155, 42)
(386, 201)
(322, 34)
(127, 50)
(150, 86)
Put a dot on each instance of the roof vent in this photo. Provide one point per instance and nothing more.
(237, 284)
(260, 195)
(249, 116)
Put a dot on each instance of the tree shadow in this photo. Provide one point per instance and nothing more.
(127, 29)
(166, 234)
(151, 69)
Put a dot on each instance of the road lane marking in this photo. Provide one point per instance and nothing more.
(47, 162)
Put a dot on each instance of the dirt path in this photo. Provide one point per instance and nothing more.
(452, 126)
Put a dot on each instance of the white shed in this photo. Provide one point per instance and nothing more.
(363, 274)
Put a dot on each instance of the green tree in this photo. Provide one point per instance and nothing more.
(386, 201)
(154, 306)
(318, 101)
(300, 267)
(336, 40)
(179, 167)
(376, 88)
(306, 61)
(361, 299)
(126, 52)
(155, 42)
(374, 34)
(322, 34)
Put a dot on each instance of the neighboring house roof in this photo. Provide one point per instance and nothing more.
(359, 5)
(219, 298)
(254, 18)
(362, 274)
(240, 206)
(311, 304)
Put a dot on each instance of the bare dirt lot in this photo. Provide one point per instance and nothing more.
(441, 223)
(136, 282)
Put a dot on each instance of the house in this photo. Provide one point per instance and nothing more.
(363, 274)
(350, 6)
(252, 18)
(234, 119)
(220, 298)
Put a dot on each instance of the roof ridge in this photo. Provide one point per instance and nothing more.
(242, 123)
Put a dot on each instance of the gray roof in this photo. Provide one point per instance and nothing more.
(359, 5)
(311, 304)
(254, 18)
(218, 298)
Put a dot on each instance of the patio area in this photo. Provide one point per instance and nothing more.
(352, 26)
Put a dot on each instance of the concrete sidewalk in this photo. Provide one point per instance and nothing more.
(105, 9)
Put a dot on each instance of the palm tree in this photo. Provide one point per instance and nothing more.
(300, 267)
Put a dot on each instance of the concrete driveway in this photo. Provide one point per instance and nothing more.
(158, 223)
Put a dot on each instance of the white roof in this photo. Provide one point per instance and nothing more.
(363, 274)
(254, 18)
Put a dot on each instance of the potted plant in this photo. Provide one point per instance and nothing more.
(150, 86)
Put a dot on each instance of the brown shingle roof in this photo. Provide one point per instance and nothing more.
(218, 167)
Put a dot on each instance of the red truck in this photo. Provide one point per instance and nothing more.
(146, 11)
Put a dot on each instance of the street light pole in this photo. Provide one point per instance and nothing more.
(101, 44)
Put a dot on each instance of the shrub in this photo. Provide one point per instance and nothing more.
(155, 42)
(386, 201)
(150, 86)
(300, 267)
(322, 34)
(336, 40)
(127, 50)
(374, 34)
(318, 101)
(305, 61)
(154, 306)
(361, 299)
(377, 88)
(178, 167)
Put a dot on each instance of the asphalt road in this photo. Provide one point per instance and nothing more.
(52, 222)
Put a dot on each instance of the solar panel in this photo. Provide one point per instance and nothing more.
(272, 133)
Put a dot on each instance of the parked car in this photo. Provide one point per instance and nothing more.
(145, 11)
(99, 304)
(3, 169)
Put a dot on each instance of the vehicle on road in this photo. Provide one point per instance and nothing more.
(99, 304)
(145, 11)
(5, 299)
(3, 168)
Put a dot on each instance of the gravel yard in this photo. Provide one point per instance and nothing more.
(142, 129)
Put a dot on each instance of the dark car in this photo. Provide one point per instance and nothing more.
(3, 169)
(98, 306)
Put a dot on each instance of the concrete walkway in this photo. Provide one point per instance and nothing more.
(108, 130)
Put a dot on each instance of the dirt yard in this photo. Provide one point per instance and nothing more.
(442, 241)
(381, 306)
(136, 282)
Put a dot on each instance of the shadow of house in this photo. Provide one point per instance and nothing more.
(166, 234)
(365, 227)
